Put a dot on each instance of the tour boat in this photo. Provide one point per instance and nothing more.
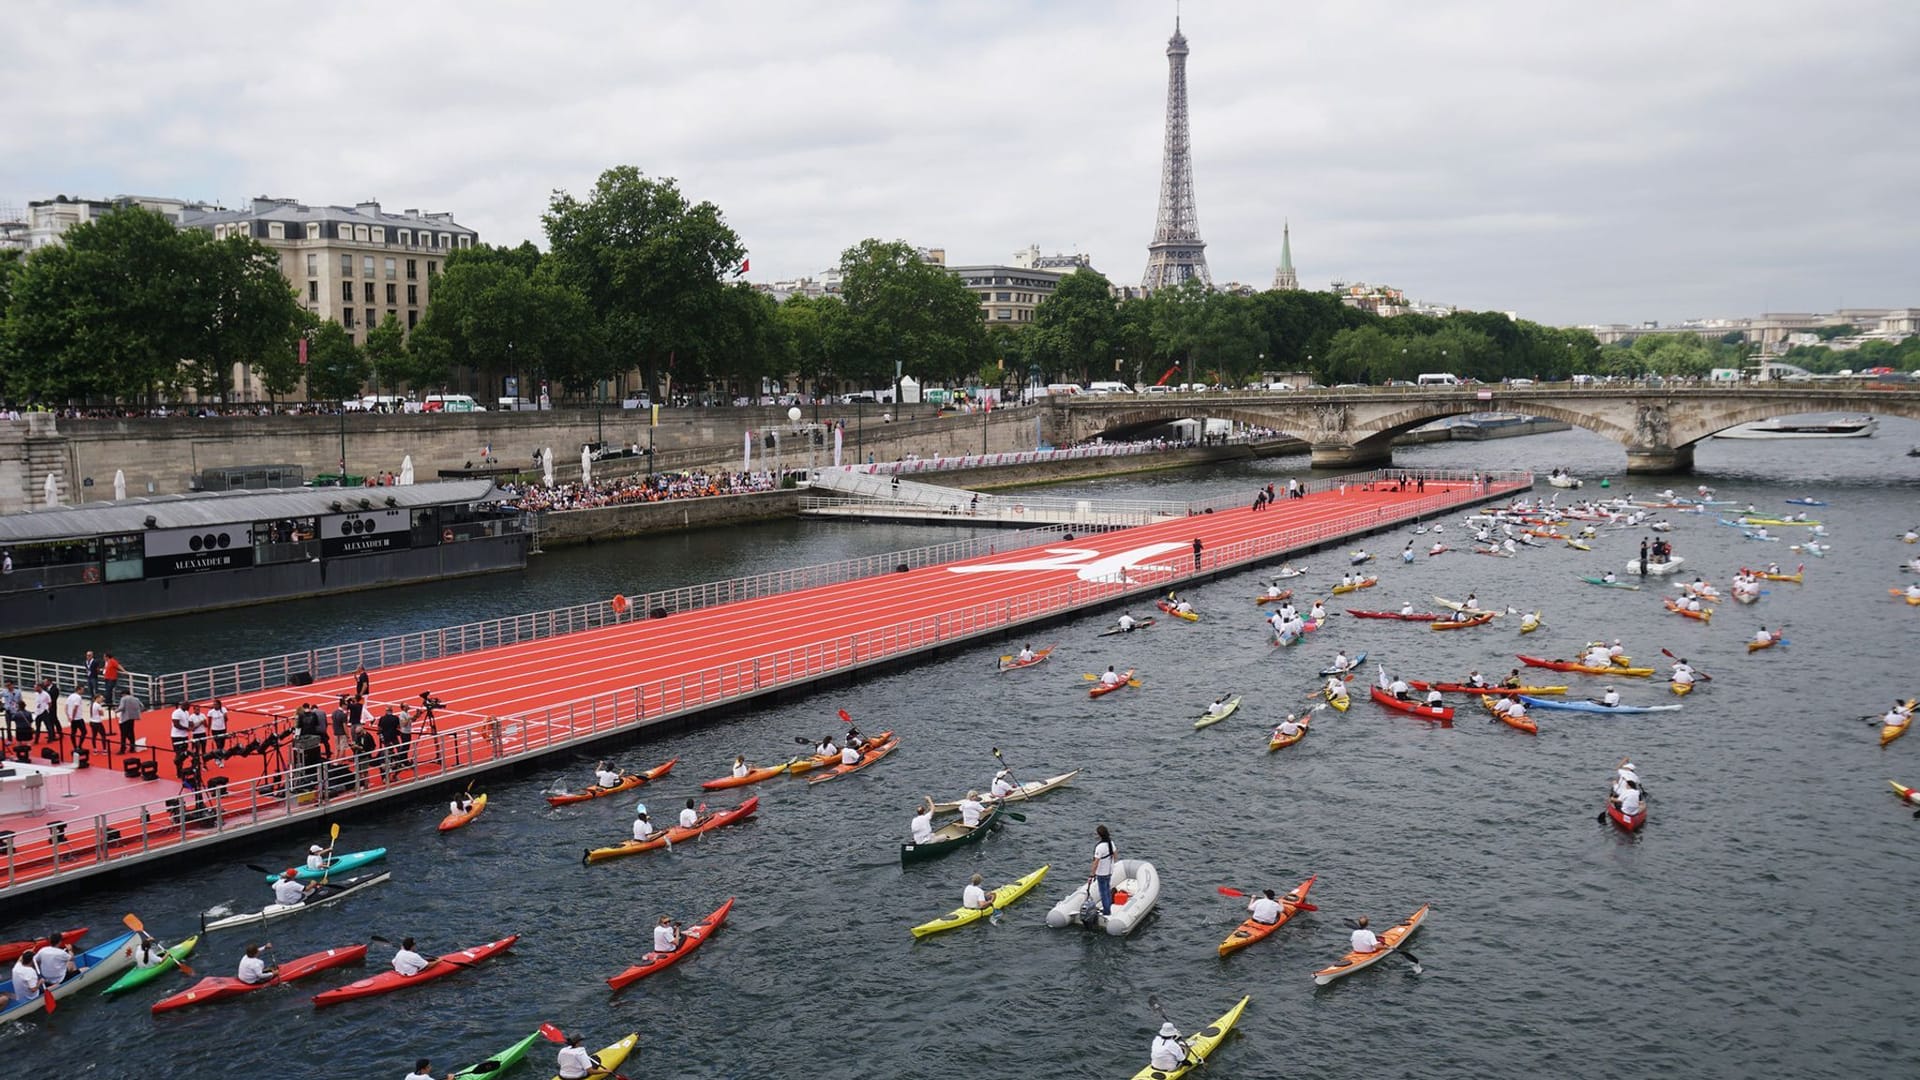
(1846, 427)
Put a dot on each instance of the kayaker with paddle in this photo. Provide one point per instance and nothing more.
(740, 768)
(1003, 784)
(1610, 698)
(1609, 578)
(422, 1070)
(26, 979)
(316, 857)
(1182, 607)
(1683, 674)
(576, 1063)
(1217, 705)
(253, 970)
(1627, 799)
(1762, 637)
(1169, 1050)
(1434, 699)
(406, 961)
(642, 824)
(1264, 909)
(1126, 622)
(1406, 608)
(1475, 679)
(849, 755)
(975, 897)
(666, 935)
(689, 817)
(971, 809)
(290, 890)
(825, 747)
(1363, 940)
(1273, 590)
(605, 775)
(921, 827)
(1335, 688)
(1026, 654)
(1399, 688)
(1287, 729)
(1625, 775)
(1111, 678)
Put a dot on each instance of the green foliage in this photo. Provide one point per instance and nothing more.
(386, 350)
(908, 310)
(279, 370)
(504, 311)
(1077, 325)
(816, 333)
(336, 367)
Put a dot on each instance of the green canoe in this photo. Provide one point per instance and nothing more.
(948, 837)
(500, 1062)
(141, 976)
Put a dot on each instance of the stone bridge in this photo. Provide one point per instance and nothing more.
(1657, 426)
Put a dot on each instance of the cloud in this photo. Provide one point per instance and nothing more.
(1572, 162)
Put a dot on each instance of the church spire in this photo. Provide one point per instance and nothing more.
(1285, 278)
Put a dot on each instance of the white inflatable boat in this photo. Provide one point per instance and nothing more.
(1135, 880)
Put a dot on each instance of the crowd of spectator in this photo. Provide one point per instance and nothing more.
(618, 491)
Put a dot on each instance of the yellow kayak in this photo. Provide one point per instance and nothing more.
(612, 1056)
(1002, 896)
(1681, 689)
(1200, 1045)
(1339, 703)
(1890, 732)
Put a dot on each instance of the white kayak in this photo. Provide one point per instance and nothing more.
(330, 892)
(1020, 794)
(1136, 887)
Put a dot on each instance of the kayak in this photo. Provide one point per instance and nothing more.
(627, 783)
(141, 976)
(1594, 706)
(1579, 545)
(821, 761)
(1518, 723)
(1013, 662)
(948, 837)
(1703, 615)
(1605, 584)
(1462, 624)
(1680, 689)
(1493, 691)
(505, 1059)
(1890, 732)
(12, 950)
(1351, 664)
(1363, 583)
(1628, 822)
(1390, 942)
(675, 834)
(1777, 521)
(690, 939)
(1002, 897)
(871, 753)
(1028, 790)
(1285, 594)
(1277, 741)
(1339, 703)
(90, 968)
(1413, 708)
(753, 776)
(1102, 689)
(1200, 1045)
(1421, 616)
(1250, 931)
(456, 819)
(1806, 502)
(215, 988)
(331, 892)
(1797, 577)
(1905, 792)
(1139, 624)
(1756, 646)
(1190, 616)
(613, 1056)
(388, 981)
(1584, 669)
(352, 860)
(1226, 710)
(1912, 601)
(1461, 605)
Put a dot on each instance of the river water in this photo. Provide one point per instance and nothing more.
(1753, 928)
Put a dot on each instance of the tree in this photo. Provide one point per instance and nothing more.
(649, 264)
(279, 371)
(817, 334)
(504, 311)
(246, 310)
(909, 311)
(336, 368)
(386, 351)
(1079, 321)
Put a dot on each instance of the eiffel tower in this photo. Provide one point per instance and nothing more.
(1177, 253)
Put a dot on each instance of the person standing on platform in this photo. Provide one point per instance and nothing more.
(93, 675)
(1196, 553)
(97, 723)
(110, 671)
(77, 715)
(362, 685)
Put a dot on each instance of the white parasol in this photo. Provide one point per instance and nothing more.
(546, 464)
(586, 466)
(53, 491)
(406, 471)
(119, 484)
(746, 453)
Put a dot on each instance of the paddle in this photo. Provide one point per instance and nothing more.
(1704, 677)
(1237, 894)
(1153, 1002)
(134, 924)
(333, 838)
(1009, 768)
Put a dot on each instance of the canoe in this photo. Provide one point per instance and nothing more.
(753, 776)
(141, 976)
(675, 834)
(627, 783)
(90, 969)
(1680, 689)
(1912, 601)
(1890, 732)
(1390, 942)
(1190, 616)
(1518, 723)
(1605, 584)
(340, 864)
(1495, 691)
(1584, 669)
(11, 951)
(331, 892)
(873, 752)
(1628, 822)
(1013, 662)
(1778, 521)
(1277, 741)
(1102, 689)
(613, 1055)
(1452, 624)
(1424, 712)
(505, 1059)
(690, 939)
(1285, 594)
(1703, 615)
(1136, 888)
(1250, 931)
(1340, 703)
(1756, 646)
(1140, 624)
(1028, 790)
(1210, 719)
(1419, 616)
(215, 988)
(456, 819)
(1363, 583)
(1200, 1045)
(1594, 706)
(1461, 605)
(1002, 897)
(1351, 664)
(388, 981)
(1905, 792)
(949, 837)
(821, 761)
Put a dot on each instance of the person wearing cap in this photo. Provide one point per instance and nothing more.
(575, 1062)
(1434, 698)
(1286, 729)
(666, 935)
(1003, 784)
(1475, 679)
(1264, 909)
(316, 857)
(290, 890)
(1616, 652)
(854, 738)
(1626, 797)
(406, 961)
(253, 970)
(1683, 672)
(971, 809)
(689, 817)
(642, 824)
(1611, 698)
(921, 828)
(975, 897)
(1624, 776)
(1169, 1050)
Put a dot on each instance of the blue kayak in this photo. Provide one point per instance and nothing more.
(341, 864)
(1591, 706)
(1351, 665)
(1807, 502)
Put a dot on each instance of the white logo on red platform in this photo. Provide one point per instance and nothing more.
(1086, 564)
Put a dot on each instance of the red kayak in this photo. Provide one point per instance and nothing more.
(12, 950)
(1626, 823)
(627, 783)
(1463, 688)
(1423, 616)
(690, 939)
(1100, 689)
(214, 989)
(390, 980)
(1412, 708)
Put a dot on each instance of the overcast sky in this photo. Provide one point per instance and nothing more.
(1573, 162)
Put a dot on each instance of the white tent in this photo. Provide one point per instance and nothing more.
(586, 466)
(119, 484)
(546, 464)
(52, 490)
(746, 453)
(406, 471)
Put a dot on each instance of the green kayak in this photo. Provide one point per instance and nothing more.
(141, 976)
(1226, 709)
(500, 1062)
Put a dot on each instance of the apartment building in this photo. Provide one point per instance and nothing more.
(47, 219)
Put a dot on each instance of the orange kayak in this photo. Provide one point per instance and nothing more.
(1250, 931)
(1462, 624)
(675, 834)
(455, 820)
(1518, 723)
(627, 783)
(821, 761)
(1704, 614)
(753, 776)
(873, 752)
(1101, 689)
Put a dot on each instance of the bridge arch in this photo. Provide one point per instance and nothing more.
(1735, 413)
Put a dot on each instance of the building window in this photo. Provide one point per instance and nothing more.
(313, 292)
(313, 230)
(413, 269)
(1003, 313)
(369, 318)
(413, 319)
(413, 295)
(432, 268)
(346, 266)
(313, 265)
(406, 237)
(366, 266)
(379, 234)
(466, 241)
(446, 240)
(986, 297)
(360, 233)
(346, 317)
(276, 231)
(392, 291)
(368, 292)
(390, 269)
(1004, 297)
(346, 232)
(346, 292)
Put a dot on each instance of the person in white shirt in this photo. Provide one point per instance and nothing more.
(921, 827)
(1217, 706)
(1168, 1050)
(1625, 775)
(1278, 621)
(1502, 705)
(1026, 654)
(975, 897)
(740, 768)
(605, 775)
(1346, 579)
(1273, 590)
(422, 1070)
(1474, 678)
(1616, 650)
(1003, 784)
(1609, 577)
(53, 961)
(1335, 688)
(1434, 699)
(689, 817)
(1913, 591)
(1630, 800)
(253, 970)
(1516, 709)
(1183, 607)
(666, 935)
(26, 979)
(1762, 637)
(1407, 555)
(642, 825)
(971, 808)
(290, 890)
(849, 754)
(1286, 729)
(575, 1062)
(1437, 548)
(1896, 715)
(1126, 621)
(1102, 872)
(1363, 939)
(1406, 608)
(1597, 657)
(1318, 613)
(1111, 678)
(1264, 909)
(1398, 688)
(316, 857)
(1611, 698)
(827, 748)
(406, 961)
(1683, 672)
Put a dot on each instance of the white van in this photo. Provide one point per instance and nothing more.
(453, 403)
(1438, 379)
(1109, 388)
(1163, 388)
